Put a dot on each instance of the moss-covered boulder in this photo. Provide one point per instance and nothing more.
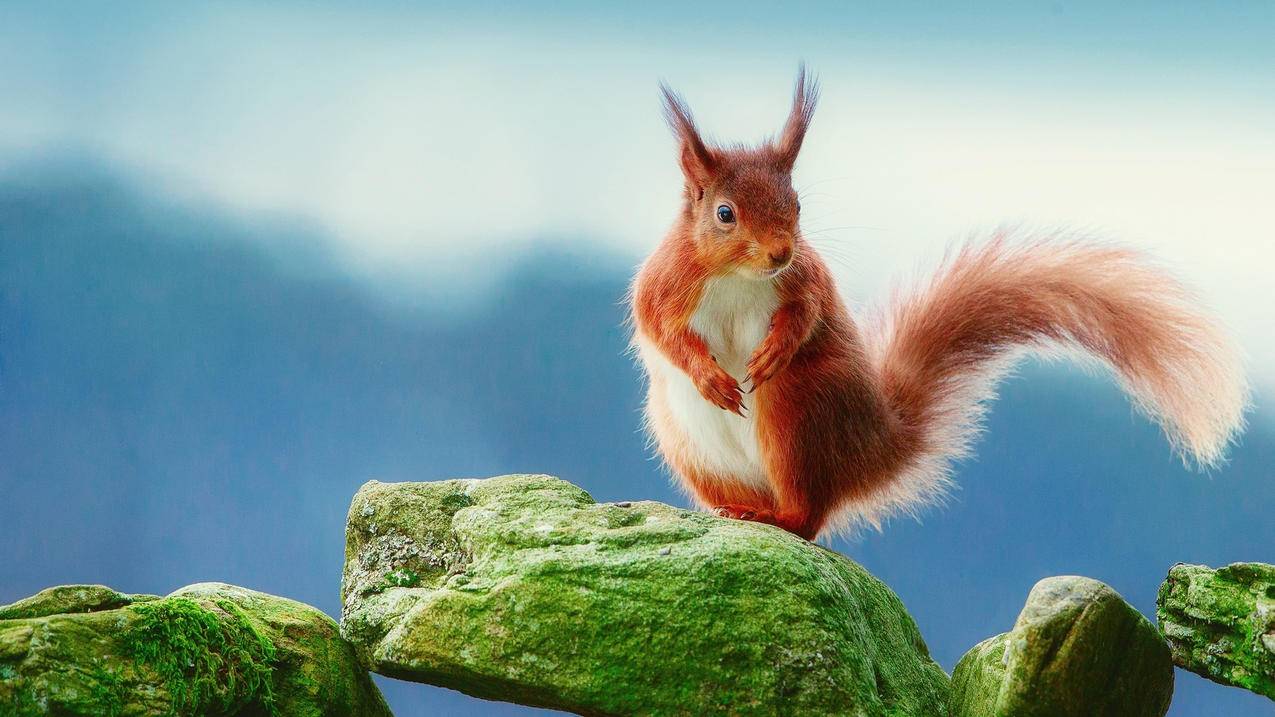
(522, 588)
(70, 599)
(1221, 623)
(207, 649)
(1077, 649)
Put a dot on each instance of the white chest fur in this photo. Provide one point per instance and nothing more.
(733, 317)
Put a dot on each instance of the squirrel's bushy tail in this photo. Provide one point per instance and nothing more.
(940, 350)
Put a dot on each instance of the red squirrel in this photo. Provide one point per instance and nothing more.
(772, 404)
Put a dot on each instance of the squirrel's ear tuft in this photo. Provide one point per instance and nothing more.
(699, 164)
(804, 98)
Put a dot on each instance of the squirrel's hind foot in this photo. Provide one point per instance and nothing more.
(743, 512)
(797, 527)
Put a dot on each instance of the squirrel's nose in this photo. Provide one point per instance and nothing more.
(779, 257)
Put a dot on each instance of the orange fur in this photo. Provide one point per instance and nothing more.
(852, 426)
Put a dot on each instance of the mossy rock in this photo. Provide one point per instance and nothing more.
(1221, 623)
(69, 599)
(1077, 650)
(207, 649)
(522, 588)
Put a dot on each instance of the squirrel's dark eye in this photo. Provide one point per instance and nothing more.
(725, 214)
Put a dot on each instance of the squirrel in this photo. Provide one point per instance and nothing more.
(772, 404)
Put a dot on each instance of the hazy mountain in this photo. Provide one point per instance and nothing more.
(188, 396)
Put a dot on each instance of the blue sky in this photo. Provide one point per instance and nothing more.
(435, 142)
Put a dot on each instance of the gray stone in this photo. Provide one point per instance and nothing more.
(1077, 650)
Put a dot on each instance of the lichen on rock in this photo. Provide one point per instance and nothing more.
(1221, 623)
(207, 649)
(522, 588)
(1077, 649)
(68, 599)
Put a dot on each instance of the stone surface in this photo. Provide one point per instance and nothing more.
(70, 599)
(977, 679)
(522, 588)
(1221, 623)
(1078, 649)
(207, 649)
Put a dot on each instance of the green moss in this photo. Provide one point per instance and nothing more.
(67, 599)
(402, 578)
(541, 596)
(107, 692)
(24, 703)
(977, 679)
(208, 649)
(209, 663)
(1077, 650)
(1216, 622)
(402, 541)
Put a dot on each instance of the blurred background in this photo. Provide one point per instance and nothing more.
(251, 257)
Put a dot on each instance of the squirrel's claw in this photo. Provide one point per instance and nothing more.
(743, 512)
(722, 390)
(766, 363)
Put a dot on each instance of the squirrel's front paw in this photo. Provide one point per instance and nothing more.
(767, 361)
(721, 389)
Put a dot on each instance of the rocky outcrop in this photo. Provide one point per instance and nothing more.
(522, 588)
(207, 649)
(1077, 649)
(1221, 623)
